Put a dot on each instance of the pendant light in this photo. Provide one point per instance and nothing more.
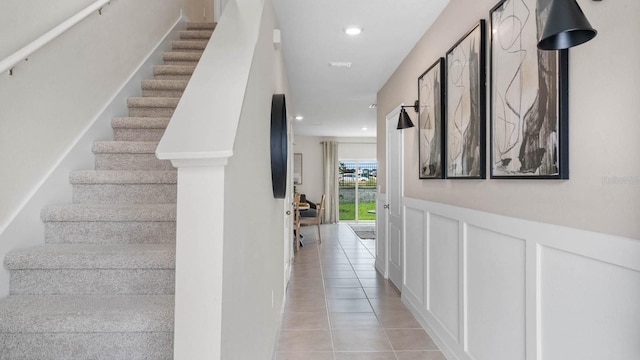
(404, 121)
(566, 26)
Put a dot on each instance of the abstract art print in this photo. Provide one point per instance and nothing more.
(466, 109)
(529, 112)
(431, 121)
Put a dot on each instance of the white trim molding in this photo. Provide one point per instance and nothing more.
(492, 287)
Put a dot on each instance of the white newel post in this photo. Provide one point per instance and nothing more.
(199, 260)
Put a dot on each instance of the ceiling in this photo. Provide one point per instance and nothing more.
(335, 101)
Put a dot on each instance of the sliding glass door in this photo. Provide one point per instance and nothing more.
(357, 190)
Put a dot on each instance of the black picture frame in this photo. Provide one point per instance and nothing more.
(431, 114)
(529, 106)
(465, 120)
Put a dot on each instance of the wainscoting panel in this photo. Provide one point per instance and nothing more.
(414, 269)
(494, 295)
(443, 282)
(501, 288)
(586, 303)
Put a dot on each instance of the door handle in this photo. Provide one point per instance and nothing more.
(288, 212)
(386, 206)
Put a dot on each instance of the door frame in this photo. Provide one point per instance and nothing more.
(390, 125)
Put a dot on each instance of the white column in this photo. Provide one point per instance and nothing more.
(199, 255)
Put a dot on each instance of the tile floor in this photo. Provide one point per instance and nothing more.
(339, 308)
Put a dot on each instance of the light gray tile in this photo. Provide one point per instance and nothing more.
(361, 340)
(420, 355)
(353, 321)
(349, 305)
(365, 355)
(410, 339)
(304, 340)
(305, 320)
(305, 355)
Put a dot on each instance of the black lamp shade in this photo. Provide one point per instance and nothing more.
(404, 122)
(566, 27)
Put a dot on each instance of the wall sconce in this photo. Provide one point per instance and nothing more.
(566, 26)
(404, 122)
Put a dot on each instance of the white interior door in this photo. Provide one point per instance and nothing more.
(394, 196)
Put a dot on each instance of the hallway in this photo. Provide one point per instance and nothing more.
(339, 308)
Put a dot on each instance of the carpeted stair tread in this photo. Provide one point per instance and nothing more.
(123, 177)
(124, 147)
(139, 123)
(193, 56)
(189, 45)
(173, 70)
(201, 25)
(86, 313)
(153, 102)
(162, 84)
(195, 34)
(92, 256)
(109, 213)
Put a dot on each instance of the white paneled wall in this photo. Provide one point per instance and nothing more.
(490, 287)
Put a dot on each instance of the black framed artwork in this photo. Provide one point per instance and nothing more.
(431, 93)
(529, 96)
(466, 106)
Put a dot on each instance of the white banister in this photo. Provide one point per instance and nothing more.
(12, 60)
(199, 140)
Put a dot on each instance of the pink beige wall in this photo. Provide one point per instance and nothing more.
(603, 193)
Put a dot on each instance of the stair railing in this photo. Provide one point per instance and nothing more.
(199, 141)
(7, 64)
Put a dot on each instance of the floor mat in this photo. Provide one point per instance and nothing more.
(364, 231)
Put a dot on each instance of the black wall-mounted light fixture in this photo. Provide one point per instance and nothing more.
(404, 122)
(566, 26)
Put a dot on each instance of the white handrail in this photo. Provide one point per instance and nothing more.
(12, 60)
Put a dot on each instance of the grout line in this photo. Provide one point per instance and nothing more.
(326, 302)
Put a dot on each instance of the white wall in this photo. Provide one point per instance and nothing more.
(360, 149)
(253, 290)
(23, 21)
(55, 97)
(604, 87)
(490, 287)
(198, 10)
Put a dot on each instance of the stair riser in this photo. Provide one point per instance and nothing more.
(93, 282)
(131, 162)
(178, 62)
(172, 77)
(138, 134)
(151, 112)
(162, 93)
(188, 46)
(156, 232)
(95, 346)
(196, 35)
(201, 26)
(124, 194)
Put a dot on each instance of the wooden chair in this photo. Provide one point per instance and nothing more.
(314, 220)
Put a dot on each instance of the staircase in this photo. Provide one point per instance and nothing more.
(102, 285)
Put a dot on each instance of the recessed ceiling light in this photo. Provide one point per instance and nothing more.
(299, 117)
(373, 106)
(353, 30)
(364, 129)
